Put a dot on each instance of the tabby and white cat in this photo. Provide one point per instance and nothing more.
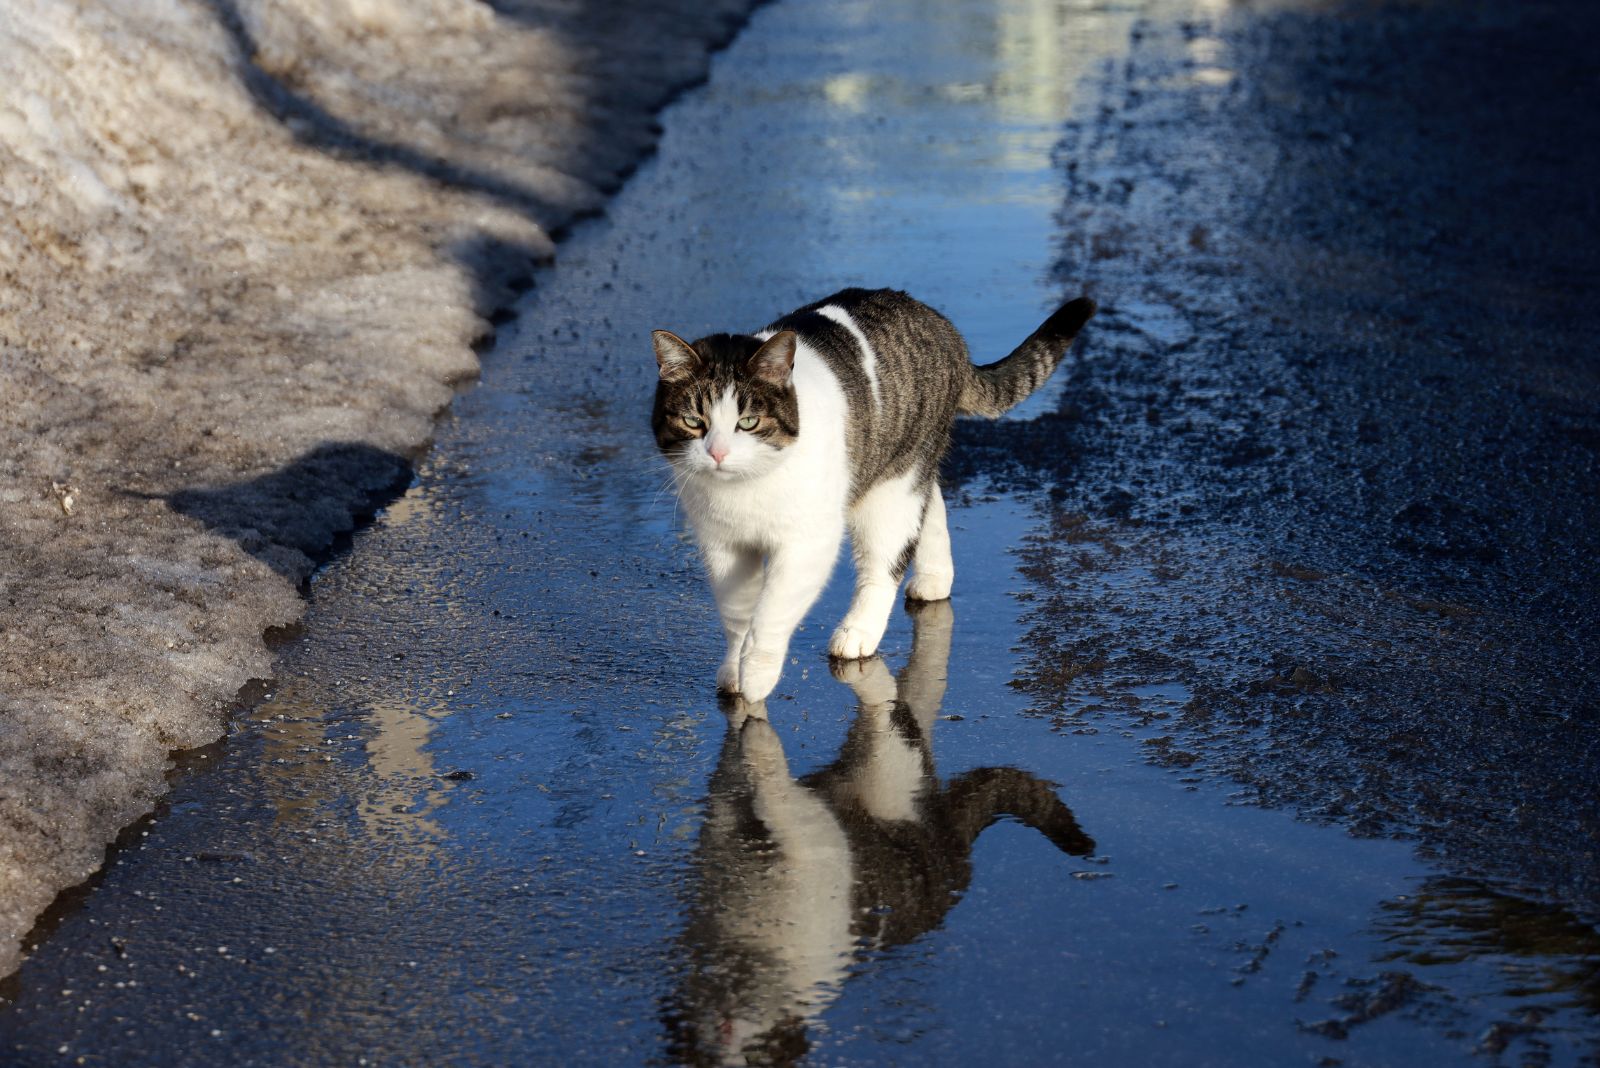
(835, 416)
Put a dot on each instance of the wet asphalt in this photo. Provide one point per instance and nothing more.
(1260, 728)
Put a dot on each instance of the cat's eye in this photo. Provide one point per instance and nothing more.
(693, 422)
(748, 422)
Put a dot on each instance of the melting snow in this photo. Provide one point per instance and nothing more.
(247, 246)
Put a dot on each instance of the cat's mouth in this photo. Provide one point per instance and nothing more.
(720, 472)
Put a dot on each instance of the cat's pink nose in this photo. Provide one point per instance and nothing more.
(718, 451)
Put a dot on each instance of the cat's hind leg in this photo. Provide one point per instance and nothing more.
(933, 570)
(735, 575)
(883, 528)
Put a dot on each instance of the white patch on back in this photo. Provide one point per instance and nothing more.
(869, 356)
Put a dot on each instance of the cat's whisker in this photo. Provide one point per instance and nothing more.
(674, 481)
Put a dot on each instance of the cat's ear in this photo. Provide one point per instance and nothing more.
(774, 361)
(674, 356)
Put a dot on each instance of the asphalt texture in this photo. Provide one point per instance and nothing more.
(1260, 728)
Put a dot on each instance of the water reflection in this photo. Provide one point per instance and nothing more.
(386, 742)
(796, 880)
(1544, 952)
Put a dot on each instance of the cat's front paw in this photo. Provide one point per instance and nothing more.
(853, 643)
(728, 676)
(758, 673)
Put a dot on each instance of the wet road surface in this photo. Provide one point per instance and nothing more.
(1309, 522)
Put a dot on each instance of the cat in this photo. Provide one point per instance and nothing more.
(796, 878)
(836, 416)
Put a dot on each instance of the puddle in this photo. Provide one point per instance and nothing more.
(492, 812)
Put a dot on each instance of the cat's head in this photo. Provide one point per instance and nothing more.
(725, 405)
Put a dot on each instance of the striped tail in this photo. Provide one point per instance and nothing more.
(993, 390)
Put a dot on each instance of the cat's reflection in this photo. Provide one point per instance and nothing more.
(794, 879)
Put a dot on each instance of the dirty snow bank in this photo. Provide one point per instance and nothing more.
(247, 246)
